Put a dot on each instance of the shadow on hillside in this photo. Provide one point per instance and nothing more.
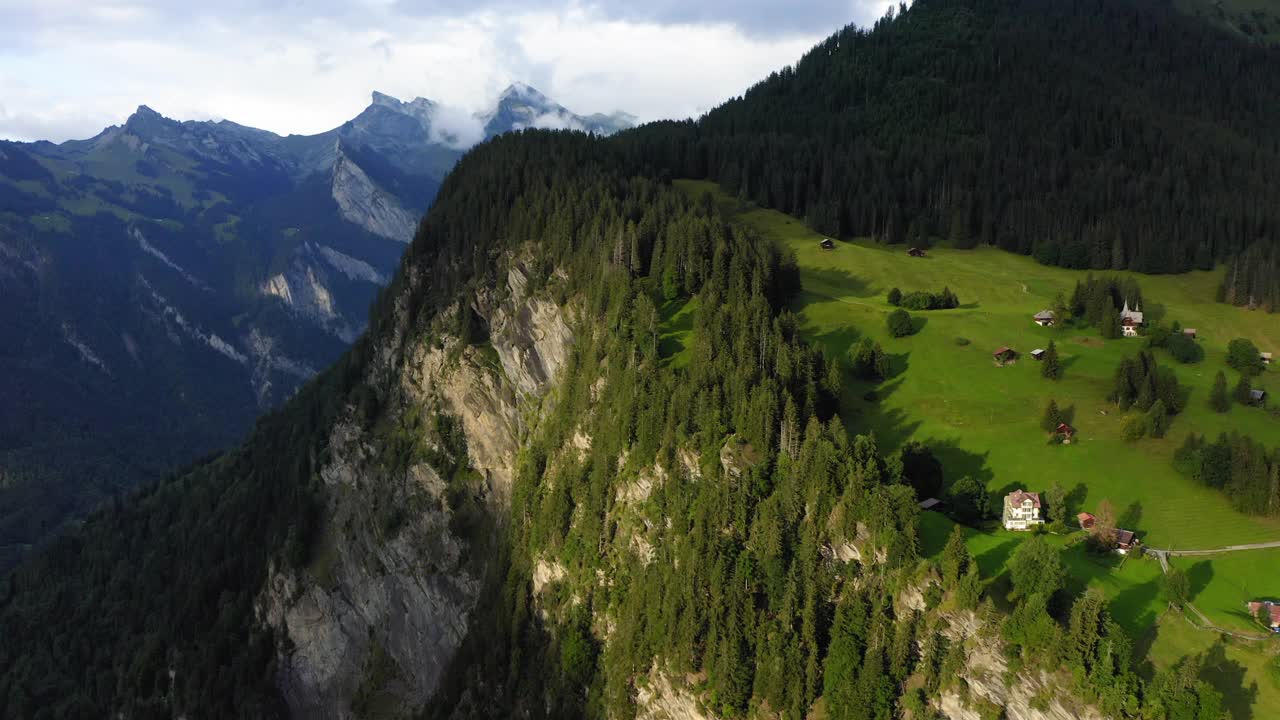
(1132, 608)
(993, 562)
(849, 283)
(1131, 518)
(968, 306)
(839, 342)
(918, 322)
(1228, 677)
(1075, 497)
(898, 364)
(1198, 576)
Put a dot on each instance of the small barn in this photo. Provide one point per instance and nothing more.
(827, 244)
(1189, 332)
(1037, 354)
(931, 504)
(1257, 397)
(1086, 520)
(1126, 540)
(1065, 432)
(1265, 358)
(1044, 318)
(1004, 355)
(916, 252)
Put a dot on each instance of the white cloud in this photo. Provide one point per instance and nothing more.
(66, 73)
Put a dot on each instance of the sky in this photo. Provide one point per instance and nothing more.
(70, 68)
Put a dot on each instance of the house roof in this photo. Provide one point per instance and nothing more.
(1128, 322)
(930, 503)
(1125, 538)
(1265, 355)
(1188, 331)
(1272, 608)
(1037, 351)
(1002, 351)
(1017, 497)
(1257, 394)
(1064, 429)
(1084, 516)
(1044, 315)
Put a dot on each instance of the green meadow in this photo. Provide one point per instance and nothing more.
(1222, 584)
(983, 420)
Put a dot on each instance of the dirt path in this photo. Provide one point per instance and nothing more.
(1215, 551)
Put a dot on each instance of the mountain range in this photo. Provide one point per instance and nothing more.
(167, 281)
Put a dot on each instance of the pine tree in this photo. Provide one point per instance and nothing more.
(955, 558)
(1052, 417)
(1243, 391)
(1051, 366)
(1218, 398)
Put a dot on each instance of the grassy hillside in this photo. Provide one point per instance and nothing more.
(983, 420)
(1222, 584)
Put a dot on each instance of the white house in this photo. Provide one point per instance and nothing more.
(1022, 510)
(1128, 327)
(1044, 318)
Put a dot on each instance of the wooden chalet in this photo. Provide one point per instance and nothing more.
(1004, 355)
(1086, 520)
(1064, 431)
(1189, 332)
(1257, 397)
(1037, 354)
(1265, 358)
(916, 252)
(1126, 540)
(827, 244)
(1044, 318)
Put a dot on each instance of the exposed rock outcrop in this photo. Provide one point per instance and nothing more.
(384, 604)
(362, 202)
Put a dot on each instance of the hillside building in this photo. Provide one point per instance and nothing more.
(1022, 510)
(1044, 318)
(1267, 612)
(1135, 315)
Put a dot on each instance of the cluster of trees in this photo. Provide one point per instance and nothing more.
(868, 360)
(1244, 356)
(922, 300)
(886, 133)
(1241, 467)
(1097, 301)
(1182, 347)
(1143, 384)
(1253, 277)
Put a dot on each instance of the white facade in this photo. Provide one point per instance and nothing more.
(1022, 510)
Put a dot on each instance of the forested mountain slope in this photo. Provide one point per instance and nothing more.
(164, 282)
(1091, 134)
(531, 490)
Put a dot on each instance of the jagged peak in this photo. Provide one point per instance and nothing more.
(385, 100)
(522, 91)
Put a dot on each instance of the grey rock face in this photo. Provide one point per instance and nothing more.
(384, 606)
(364, 203)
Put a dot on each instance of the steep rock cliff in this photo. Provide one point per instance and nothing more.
(384, 605)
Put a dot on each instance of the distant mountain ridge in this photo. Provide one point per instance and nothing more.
(189, 274)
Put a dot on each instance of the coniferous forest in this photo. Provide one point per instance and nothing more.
(936, 124)
(943, 126)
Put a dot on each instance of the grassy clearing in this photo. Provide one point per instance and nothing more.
(1222, 584)
(983, 420)
(676, 327)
